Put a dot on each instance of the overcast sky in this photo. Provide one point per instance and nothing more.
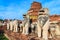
(14, 9)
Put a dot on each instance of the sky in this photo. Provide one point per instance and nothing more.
(14, 9)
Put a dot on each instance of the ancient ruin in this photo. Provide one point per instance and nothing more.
(38, 22)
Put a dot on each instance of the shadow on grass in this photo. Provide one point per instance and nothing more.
(2, 37)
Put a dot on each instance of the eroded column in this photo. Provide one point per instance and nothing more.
(45, 30)
(57, 30)
(7, 26)
(11, 26)
(39, 29)
(16, 27)
(26, 28)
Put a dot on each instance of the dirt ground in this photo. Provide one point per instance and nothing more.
(18, 36)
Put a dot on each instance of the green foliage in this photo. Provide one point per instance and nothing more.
(1, 19)
(2, 37)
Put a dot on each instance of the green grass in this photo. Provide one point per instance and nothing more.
(2, 37)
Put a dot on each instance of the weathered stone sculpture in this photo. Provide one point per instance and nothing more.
(43, 20)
